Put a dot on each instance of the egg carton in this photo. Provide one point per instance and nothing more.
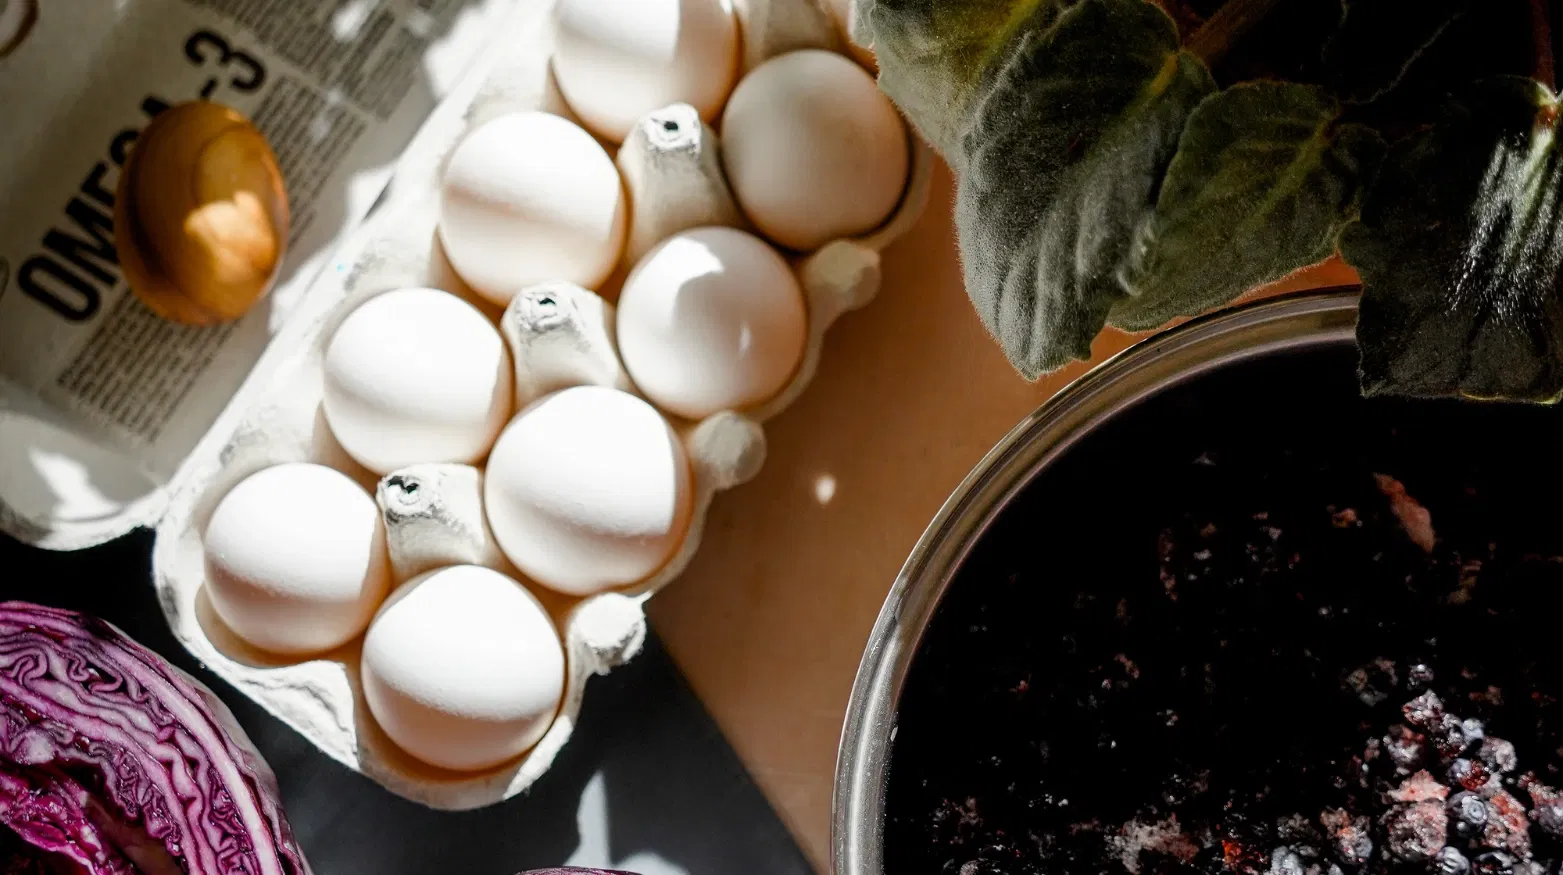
(560, 335)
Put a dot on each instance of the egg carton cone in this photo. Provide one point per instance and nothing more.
(672, 167)
(559, 336)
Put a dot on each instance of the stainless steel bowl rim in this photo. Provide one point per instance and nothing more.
(1152, 366)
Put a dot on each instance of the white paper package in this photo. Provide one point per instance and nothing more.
(101, 402)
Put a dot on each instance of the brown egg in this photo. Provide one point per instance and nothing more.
(201, 215)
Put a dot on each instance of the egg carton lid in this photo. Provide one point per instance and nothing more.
(108, 413)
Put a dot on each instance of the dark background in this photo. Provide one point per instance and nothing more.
(646, 783)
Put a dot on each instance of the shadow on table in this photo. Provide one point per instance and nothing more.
(646, 781)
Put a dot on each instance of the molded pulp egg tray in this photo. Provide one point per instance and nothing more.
(559, 335)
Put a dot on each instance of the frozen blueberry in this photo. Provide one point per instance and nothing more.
(1416, 831)
(1449, 861)
(1494, 863)
(1447, 732)
(1404, 748)
(1373, 683)
(1284, 861)
(1349, 836)
(1425, 711)
(1297, 831)
(1356, 849)
(1467, 814)
(1498, 755)
(1547, 810)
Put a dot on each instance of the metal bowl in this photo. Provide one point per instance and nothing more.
(1223, 340)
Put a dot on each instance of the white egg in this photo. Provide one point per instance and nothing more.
(813, 149)
(417, 375)
(588, 489)
(529, 197)
(712, 319)
(295, 558)
(616, 60)
(463, 668)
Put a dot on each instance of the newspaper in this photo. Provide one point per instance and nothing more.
(338, 87)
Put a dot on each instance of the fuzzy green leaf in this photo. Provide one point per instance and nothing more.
(935, 55)
(1262, 183)
(1379, 40)
(1062, 161)
(1460, 246)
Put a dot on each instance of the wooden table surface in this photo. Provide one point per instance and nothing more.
(769, 622)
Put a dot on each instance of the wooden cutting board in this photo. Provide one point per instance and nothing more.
(769, 622)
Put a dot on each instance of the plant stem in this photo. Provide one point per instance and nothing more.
(1541, 32)
(1229, 25)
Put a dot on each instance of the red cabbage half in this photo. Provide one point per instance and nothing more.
(114, 762)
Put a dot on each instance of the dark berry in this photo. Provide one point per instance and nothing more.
(1416, 831)
(1448, 735)
(1498, 755)
(1467, 814)
(1425, 711)
(1349, 836)
(1494, 863)
(1299, 832)
(1355, 849)
(1373, 683)
(1404, 748)
(1469, 774)
(1284, 861)
(1547, 809)
(1449, 861)
(1419, 677)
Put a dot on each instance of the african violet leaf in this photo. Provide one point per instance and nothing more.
(1062, 160)
(113, 762)
(1379, 40)
(1459, 248)
(934, 55)
(1263, 181)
